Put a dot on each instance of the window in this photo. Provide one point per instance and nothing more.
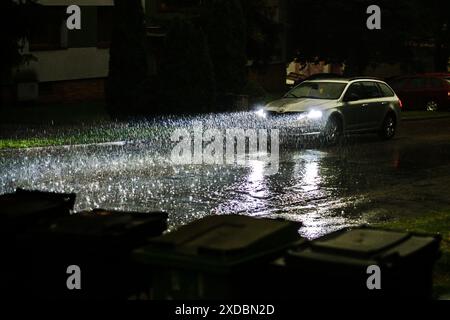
(400, 83)
(355, 90)
(104, 26)
(317, 90)
(418, 83)
(371, 90)
(385, 90)
(435, 83)
(46, 33)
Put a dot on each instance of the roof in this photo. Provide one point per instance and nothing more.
(345, 79)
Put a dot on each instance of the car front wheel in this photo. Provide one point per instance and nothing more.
(332, 132)
(389, 127)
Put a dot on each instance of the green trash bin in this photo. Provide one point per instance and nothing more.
(20, 213)
(99, 243)
(217, 257)
(344, 264)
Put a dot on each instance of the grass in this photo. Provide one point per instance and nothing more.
(435, 222)
(111, 133)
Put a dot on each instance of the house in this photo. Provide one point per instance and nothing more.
(72, 65)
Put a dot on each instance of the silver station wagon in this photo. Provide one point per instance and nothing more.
(331, 107)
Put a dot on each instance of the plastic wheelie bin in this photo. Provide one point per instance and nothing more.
(217, 257)
(99, 243)
(359, 263)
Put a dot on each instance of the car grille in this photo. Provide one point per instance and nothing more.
(280, 115)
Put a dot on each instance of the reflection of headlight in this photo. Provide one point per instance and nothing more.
(261, 113)
(314, 114)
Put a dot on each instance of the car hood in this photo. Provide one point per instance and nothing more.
(299, 105)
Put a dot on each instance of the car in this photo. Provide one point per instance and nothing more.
(331, 107)
(430, 92)
(294, 79)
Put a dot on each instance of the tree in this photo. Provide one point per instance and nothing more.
(128, 61)
(14, 29)
(224, 25)
(336, 31)
(186, 71)
(262, 31)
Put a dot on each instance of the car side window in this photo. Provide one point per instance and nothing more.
(371, 90)
(385, 90)
(356, 90)
(434, 83)
(400, 83)
(418, 83)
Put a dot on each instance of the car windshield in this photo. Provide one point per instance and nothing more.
(317, 90)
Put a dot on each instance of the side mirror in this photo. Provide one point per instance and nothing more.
(351, 97)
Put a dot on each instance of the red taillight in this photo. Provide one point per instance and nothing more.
(400, 103)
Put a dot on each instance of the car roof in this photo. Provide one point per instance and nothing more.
(346, 80)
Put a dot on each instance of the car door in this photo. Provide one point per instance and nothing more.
(352, 107)
(418, 93)
(374, 106)
(403, 90)
(437, 91)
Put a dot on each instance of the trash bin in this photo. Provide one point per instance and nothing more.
(217, 257)
(20, 213)
(337, 265)
(99, 243)
(24, 209)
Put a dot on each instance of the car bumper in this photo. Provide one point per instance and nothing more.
(294, 124)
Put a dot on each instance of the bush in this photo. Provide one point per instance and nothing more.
(186, 72)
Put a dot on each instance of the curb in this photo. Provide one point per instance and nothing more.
(426, 118)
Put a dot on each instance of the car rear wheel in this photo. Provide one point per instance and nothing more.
(389, 127)
(332, 132)
(432, 106)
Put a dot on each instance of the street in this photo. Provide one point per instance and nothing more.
(365, 180)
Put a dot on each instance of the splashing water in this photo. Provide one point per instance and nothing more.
(135, 173)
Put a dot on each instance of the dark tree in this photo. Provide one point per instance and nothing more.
(436, 15)
(186, 71)
(262, 31)
(128, 61)
(225, 29)
(336, 31)
(15, 17)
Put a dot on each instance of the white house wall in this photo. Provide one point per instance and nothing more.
(71, 64)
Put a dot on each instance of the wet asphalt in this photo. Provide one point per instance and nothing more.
(362, 180)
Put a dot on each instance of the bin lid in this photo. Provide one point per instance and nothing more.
(106, 223)
(364, 245)
(14, 207)
(361, 242)
(231, 239)
(67, 198)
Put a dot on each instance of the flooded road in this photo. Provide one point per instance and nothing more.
(364, 180)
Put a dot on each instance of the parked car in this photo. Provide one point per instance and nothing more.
(294, 79)
(330, 107)
(429, 92)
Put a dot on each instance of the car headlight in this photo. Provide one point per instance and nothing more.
(314, 114)
(261, 113)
